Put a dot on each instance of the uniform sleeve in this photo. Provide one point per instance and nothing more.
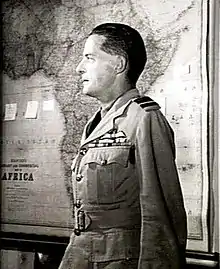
(163, 220)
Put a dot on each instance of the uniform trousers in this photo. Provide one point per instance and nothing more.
(76, 257)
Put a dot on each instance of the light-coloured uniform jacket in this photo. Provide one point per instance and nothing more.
(127, 196)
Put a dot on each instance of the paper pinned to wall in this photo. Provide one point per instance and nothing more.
(48, 105)
(10, 111)
(31, 111)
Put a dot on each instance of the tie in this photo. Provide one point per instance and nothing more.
(93, 124)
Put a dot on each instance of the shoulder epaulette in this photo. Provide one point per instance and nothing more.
(147, 103)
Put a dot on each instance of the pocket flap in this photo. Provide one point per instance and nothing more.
(108, 155)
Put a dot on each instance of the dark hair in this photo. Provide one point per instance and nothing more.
(123, 40)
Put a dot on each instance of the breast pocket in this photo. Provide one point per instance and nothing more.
(105, 170)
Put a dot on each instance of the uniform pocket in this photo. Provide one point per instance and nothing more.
(116, 245)
(104, 168)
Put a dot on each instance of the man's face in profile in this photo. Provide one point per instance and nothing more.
(97, 69)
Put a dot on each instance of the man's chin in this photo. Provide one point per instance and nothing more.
(85, 91)
(88, 92)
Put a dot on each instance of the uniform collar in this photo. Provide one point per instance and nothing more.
(120, 101)
(107, 122)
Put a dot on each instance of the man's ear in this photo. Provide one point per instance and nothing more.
(121, 64)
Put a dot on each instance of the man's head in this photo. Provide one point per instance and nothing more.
(124, 40)
(114, 57)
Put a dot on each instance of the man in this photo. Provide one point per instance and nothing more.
(129, 210)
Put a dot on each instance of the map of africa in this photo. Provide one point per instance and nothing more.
(42, 45)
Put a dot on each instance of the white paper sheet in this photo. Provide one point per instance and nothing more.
(31, 111)
(10, 111)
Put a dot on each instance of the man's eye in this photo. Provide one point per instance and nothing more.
(89, 58)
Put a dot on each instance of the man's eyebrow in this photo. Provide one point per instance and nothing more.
(89, 54)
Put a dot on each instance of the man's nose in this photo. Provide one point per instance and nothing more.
(80, 68)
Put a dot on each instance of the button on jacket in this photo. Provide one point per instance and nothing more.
(127, 197)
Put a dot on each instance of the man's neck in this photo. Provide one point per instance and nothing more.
(106, 106)
(115, 92)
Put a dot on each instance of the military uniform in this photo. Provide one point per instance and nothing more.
(129, 210)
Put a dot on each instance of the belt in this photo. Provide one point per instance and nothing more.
(117, 218)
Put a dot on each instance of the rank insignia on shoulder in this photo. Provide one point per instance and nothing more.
(147, 103)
